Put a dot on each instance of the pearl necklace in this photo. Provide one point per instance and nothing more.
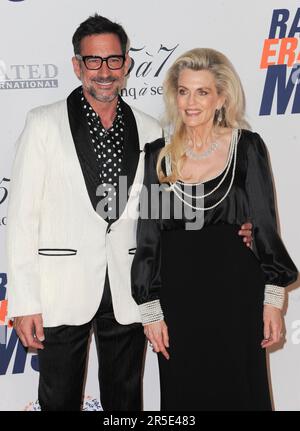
(231, 160)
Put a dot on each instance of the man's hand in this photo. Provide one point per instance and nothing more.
(30, 330)
(157, 334)
(272, 326)
(246, 232)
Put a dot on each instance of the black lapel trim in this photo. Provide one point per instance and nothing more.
(131, 144)
(83, 144)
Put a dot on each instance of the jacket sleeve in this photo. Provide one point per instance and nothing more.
(278, 267)
(145, 271)
(25, 199)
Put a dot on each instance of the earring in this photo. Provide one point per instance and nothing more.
(219, 116)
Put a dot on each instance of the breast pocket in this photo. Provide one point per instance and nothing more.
(57, 252)
(131, 253)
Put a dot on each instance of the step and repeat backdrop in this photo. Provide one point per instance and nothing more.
(262, 41)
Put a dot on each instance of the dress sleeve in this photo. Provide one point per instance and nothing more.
(145, 271)
(276, 263)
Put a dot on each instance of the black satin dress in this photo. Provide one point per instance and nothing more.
(211, 286)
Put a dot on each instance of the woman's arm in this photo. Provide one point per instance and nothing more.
(278, 267)
(145, 271)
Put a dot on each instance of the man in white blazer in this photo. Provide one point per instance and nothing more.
(69, 265)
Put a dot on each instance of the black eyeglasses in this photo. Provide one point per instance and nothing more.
(94, 62)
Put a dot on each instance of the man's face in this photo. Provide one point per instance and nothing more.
(103, 84)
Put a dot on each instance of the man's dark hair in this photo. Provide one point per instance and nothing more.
(98, 24)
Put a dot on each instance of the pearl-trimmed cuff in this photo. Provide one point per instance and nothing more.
(151, 312)
(274, 295)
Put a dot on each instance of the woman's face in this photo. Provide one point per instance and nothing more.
(197, 98)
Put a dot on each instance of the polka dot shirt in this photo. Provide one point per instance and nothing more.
(108, 145)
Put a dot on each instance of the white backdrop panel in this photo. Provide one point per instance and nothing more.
(35, 44)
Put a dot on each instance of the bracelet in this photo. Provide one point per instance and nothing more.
(274, 295)
(151, 312)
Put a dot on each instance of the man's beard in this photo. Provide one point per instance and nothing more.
(102, 97)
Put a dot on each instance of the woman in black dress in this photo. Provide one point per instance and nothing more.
(209, 304)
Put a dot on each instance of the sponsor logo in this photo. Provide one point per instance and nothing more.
(295, 332)
(147, 67)
(281, 59)
(33, 407)
(14, 356)
(3, 196)
(3, 330)
(2, 70)
(89, 404)
(3, 300)
(28, 76)
(3, 190)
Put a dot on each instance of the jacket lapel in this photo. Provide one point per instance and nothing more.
(131, 145)
(84, 148)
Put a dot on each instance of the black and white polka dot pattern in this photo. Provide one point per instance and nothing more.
(108, 146)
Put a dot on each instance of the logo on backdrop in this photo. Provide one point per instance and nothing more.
(13, 355)
(3, 190)
(146, 67)
(296, 332)
(281, 59)
(3, 304)
(28, 76)
(3, 196)
(3, 314)
(89, 404)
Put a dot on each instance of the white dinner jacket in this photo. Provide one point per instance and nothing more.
(58, 246)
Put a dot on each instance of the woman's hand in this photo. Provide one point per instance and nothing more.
(157, 334)
(246, 233)
(272, 326)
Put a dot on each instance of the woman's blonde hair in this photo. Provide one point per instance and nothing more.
(227, 83)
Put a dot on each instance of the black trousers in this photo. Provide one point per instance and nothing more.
(120, 351)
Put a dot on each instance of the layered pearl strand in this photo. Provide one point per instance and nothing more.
(231, 161)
